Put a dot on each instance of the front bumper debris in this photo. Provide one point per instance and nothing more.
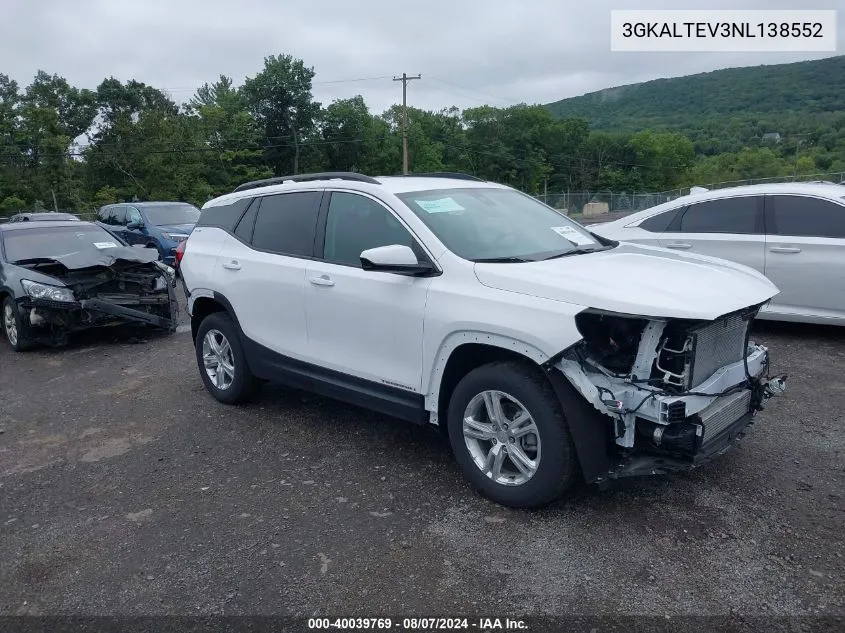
(626, 426)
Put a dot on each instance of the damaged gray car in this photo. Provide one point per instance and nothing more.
(61, 277)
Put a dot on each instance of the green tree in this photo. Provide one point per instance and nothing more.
(279, 99)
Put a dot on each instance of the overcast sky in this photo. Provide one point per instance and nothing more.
(469, 52)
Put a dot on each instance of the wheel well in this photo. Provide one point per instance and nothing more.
(201, 309)
(463, 360)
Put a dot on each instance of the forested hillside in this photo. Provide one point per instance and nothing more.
(124, 140)
(724, 109)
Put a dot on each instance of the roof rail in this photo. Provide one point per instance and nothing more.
(455, 175)
(329, 175)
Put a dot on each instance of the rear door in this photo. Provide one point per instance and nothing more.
(727, 228)
(261, 270)
(805, 255)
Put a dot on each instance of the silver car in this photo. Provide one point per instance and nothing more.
(794, 233)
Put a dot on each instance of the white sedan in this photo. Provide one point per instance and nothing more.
(794, 233)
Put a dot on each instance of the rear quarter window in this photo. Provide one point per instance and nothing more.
(224, 216)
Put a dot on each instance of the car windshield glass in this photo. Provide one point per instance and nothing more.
(163, 215)
(498, 225)
(48, 243)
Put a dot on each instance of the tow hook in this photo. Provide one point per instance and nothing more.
(775, 386)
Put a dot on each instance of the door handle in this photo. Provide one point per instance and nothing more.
(784, 249)
(678, 245)
(232, 265)
(322, 280)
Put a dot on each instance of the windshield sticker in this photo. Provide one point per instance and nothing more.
(574, 236)
(102, 245)
(443, 205)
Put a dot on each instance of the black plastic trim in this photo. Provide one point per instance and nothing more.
(454, 175)
(591, 431)
(329, 175)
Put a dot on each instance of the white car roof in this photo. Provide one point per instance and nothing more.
(822, 189)
(392, 184)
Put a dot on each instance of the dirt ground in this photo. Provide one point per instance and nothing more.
(126, 489)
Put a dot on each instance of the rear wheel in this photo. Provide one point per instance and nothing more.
(221, 360)
(509, 435)
(14, 326)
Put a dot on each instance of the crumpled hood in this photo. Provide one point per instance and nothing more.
(637, 279)
(94, 256)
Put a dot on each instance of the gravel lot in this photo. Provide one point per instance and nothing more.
(126, 489)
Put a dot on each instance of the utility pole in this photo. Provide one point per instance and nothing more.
(55, 204)
(405, 79)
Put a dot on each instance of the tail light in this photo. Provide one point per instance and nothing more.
(180, 251)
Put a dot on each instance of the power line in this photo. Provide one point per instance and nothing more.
(468, 89)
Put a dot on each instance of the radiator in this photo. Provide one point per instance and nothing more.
(724, 412)
(717, 344)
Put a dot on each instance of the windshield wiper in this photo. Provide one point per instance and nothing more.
(574, 251)
(502, 260)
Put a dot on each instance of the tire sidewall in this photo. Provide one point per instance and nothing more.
(241, 387)
(556, 469)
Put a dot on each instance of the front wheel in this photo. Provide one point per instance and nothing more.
(14, 326)
(221, 360)
(509, 435)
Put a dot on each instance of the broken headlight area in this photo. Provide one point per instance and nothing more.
(126, 293)
(675, 391)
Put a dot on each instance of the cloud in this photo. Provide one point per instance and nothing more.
(469, 52)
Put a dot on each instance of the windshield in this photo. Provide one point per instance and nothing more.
(486, 224)
(48, 243)
(163, 215)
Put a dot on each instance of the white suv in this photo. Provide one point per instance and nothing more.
(545, 351)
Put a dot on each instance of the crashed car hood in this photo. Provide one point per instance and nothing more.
(636, 279)
(89, 257)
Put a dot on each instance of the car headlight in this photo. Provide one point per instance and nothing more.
(176, 237)
(43, 291)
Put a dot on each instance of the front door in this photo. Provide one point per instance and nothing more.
(727, 228)
(805, 255)
(364, 323)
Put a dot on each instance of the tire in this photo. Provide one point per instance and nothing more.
(241, 385)
(553, 459)
(15, 329)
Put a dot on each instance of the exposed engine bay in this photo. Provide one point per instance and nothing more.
(132, 291)
(675, 390)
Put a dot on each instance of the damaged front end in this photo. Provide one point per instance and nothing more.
(122, 293)
(659, 395)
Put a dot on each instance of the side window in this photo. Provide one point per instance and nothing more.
(226, 215)
(103, 215)
(132, 215)
(117, 216)
(660, 222)
(730, 215)
(244, 228)
(803, 216)
(287, 223)
(356, 223)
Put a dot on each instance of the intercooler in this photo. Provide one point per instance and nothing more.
(715, 345)
(724, 412)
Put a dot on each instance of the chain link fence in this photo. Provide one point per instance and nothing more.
(599, 206)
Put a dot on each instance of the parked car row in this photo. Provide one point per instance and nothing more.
(60, 275)
(546, 352)
(794, 233)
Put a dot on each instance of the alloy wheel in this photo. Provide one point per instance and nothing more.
(10, 324)
(502, 437)
(218, 359)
